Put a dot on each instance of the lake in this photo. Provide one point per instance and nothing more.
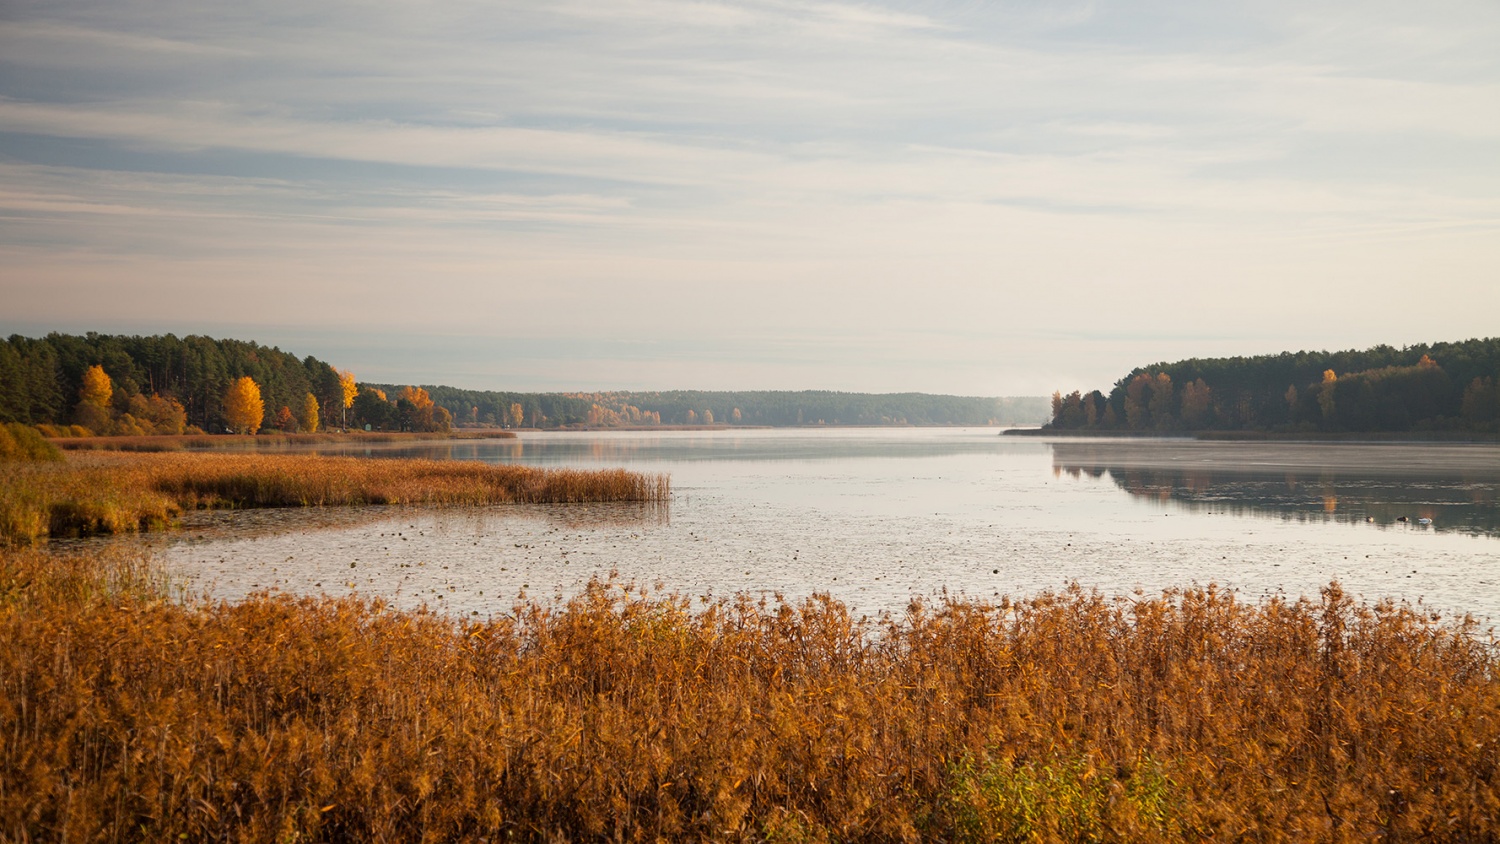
(879, 516)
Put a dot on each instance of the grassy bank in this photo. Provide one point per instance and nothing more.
(617, 716)
(251, 442)
(104, 492)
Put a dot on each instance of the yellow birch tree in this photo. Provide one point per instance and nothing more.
(97, 387)
(351, 389)
(243, 409)
(309, 418)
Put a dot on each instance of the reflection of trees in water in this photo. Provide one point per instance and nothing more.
(491, 450)
(547, 450)
(1464, 501)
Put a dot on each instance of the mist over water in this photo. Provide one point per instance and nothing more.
(879, 516)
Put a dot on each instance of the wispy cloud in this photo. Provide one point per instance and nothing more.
(759, 169)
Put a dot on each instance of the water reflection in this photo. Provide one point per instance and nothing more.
(1426, 487)
(490, 450)
(634, 447)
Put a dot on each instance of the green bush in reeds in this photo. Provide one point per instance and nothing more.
(1069, 798)
(619, 716)
(117, 492)
(23, 443)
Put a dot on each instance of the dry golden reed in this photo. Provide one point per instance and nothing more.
(251, 442)
(617, 715)
(113, 492)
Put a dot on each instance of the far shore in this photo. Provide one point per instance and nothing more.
(1263, 436)
(726, 427)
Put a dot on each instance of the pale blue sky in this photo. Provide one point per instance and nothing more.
(986, 198)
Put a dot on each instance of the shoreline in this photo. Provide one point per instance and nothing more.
(1330, 438)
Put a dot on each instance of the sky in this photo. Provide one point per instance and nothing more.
(983, 198)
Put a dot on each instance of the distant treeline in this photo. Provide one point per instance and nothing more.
(763, 407)
(1438, 387)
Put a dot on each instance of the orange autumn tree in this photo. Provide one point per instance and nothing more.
(243, 409)
(1197, 398)
(92, 411)
(419, 413)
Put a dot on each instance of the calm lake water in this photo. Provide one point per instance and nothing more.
(877, 516)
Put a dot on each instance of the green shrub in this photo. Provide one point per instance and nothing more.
(21, 442)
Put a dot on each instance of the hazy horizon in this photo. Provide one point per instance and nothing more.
(986, 200)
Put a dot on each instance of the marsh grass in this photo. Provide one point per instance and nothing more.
(621, 715)
(93, 493)
(253, 442)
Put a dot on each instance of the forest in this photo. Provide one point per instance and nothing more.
(1441, 387)
(99, 384)
(164, 384)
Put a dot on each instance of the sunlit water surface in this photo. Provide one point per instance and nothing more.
(878, 516)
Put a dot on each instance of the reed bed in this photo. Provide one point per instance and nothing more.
(104, 492)
(623, 716)
(251, 442)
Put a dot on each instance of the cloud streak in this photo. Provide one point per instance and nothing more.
(621, 173)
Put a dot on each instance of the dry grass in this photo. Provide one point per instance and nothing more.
(117, 492)
(617, 716)
(247, 442)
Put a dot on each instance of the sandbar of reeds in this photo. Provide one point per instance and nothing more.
(1191, 716)
(104, 492)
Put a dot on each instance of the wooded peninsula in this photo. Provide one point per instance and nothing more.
(1442, 388)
